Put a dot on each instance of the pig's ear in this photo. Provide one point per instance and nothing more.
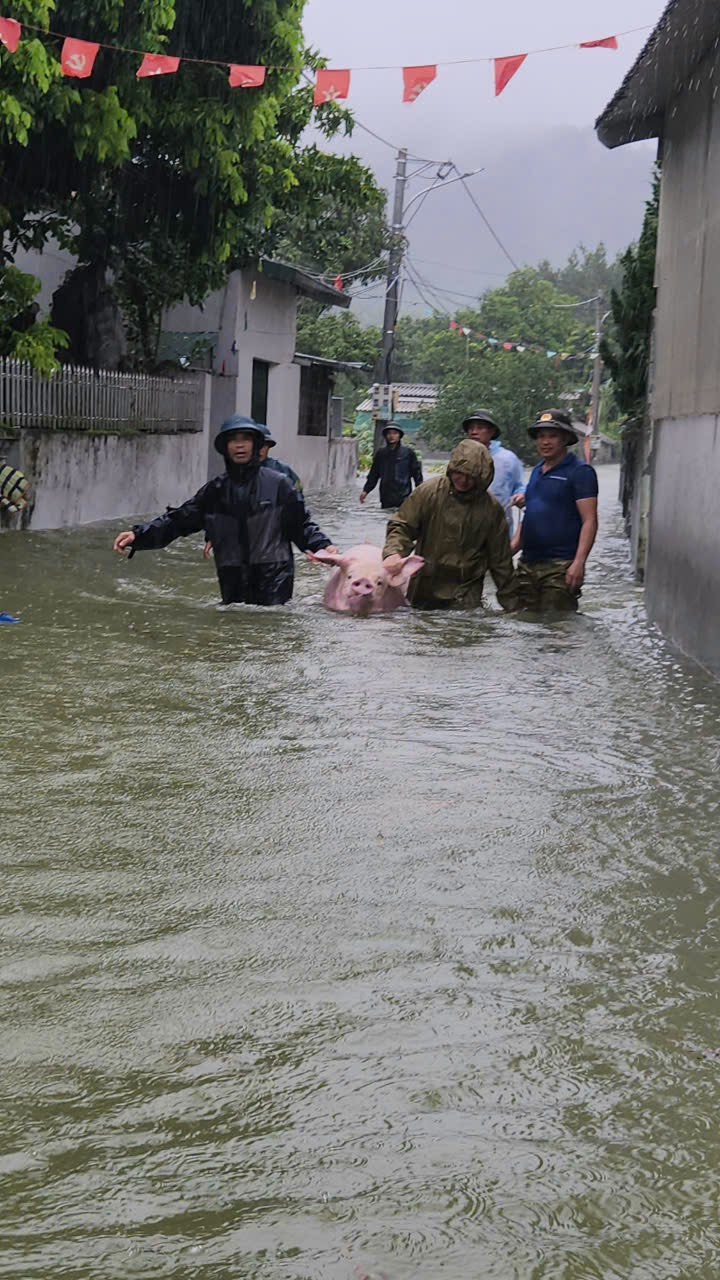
(330, 558)
(409, 566)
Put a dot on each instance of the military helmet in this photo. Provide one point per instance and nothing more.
(556, 419)
(238, 422)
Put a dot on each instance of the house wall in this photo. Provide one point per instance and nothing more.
(683, 527)
(81, 476)
(256, 320)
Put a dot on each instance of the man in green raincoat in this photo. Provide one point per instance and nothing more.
(461, 531)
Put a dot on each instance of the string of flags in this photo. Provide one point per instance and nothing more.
(499, 345)
(77, 59)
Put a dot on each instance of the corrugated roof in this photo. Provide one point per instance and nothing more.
(682, 37)
(309, 285)
(412, 396)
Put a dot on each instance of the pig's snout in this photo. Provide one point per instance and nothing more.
(362, 587)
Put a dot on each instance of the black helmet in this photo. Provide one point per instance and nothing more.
(556, 418)
(267, 433)
(237, 422)
(482, 415)
(393, 426)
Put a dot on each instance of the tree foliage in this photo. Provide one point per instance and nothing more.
(514, 386)
(587, 273)
(164, 184)
(23, 335)
(626, 349)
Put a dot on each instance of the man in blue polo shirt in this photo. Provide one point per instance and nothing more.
(560, 523)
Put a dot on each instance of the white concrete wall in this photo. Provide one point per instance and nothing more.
(78, 476)
(682, 581)
(256, 320)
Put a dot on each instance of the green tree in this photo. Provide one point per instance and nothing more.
(164, 184)
(516, 386)
(587, 273)
(23, 335)
(530, 310)
(626, 349)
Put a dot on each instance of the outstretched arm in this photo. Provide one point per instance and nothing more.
(404, 528)
(177, 522)
(300, 526)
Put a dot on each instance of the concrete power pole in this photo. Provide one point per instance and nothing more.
(597, 375)
(392, 293)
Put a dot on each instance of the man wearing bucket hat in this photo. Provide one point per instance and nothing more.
(560, 524)
(251, 515)
(395, 466)
(508, 483)
(274, 464)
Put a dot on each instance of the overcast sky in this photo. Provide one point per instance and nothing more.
(545, 114)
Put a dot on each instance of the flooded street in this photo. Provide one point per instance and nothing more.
(343, 949)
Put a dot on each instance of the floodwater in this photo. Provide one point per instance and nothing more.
(337, 949)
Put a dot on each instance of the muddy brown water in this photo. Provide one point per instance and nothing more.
(335, 948)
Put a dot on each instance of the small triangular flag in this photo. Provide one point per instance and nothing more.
(505, 69)
(331, 86)
(246, 77)
(157, 64)
(10, 32)
(610, 42)
(416, 79)
(78, 57)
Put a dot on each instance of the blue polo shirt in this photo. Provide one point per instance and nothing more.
(551, 529)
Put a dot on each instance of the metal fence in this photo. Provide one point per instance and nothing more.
(75, 398)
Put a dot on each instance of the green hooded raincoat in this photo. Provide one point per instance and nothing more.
(461, 537)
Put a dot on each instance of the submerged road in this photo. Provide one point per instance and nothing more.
(337, 948)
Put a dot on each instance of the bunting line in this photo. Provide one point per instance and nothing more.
(331, 85)
(498, 344)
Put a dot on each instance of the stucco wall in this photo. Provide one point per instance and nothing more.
(78, 477)
(683, 566)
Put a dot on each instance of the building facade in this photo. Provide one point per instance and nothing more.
(247, 331)
(671, 94)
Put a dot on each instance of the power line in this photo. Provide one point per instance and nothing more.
(490, 228)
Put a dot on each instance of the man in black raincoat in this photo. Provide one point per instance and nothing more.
(251, 515)
(395, 466)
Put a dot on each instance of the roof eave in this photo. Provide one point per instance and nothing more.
(622, 130)
(309, 286)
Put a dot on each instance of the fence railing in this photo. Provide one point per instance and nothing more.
(75, 398)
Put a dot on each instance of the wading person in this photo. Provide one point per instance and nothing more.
(560, 524)
(508, 482)
(395, 466)
(460, 530)
(251, 515)
(274, 463)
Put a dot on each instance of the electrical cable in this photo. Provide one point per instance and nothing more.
(490, 228)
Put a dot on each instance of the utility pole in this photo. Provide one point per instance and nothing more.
(392, 293)
(597, 375)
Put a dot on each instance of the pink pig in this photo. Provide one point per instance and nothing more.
(361, 584)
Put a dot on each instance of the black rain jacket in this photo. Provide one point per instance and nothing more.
(395, 469)
(251, 515)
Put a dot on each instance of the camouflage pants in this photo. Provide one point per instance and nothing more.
(541, 585)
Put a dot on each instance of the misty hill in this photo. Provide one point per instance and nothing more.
(543, 196)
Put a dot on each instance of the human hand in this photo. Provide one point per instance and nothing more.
(575, 575)
(123, 541)
(207, 550)
(363, 496)
(518, 500)
(392, 564)
(335, 551)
